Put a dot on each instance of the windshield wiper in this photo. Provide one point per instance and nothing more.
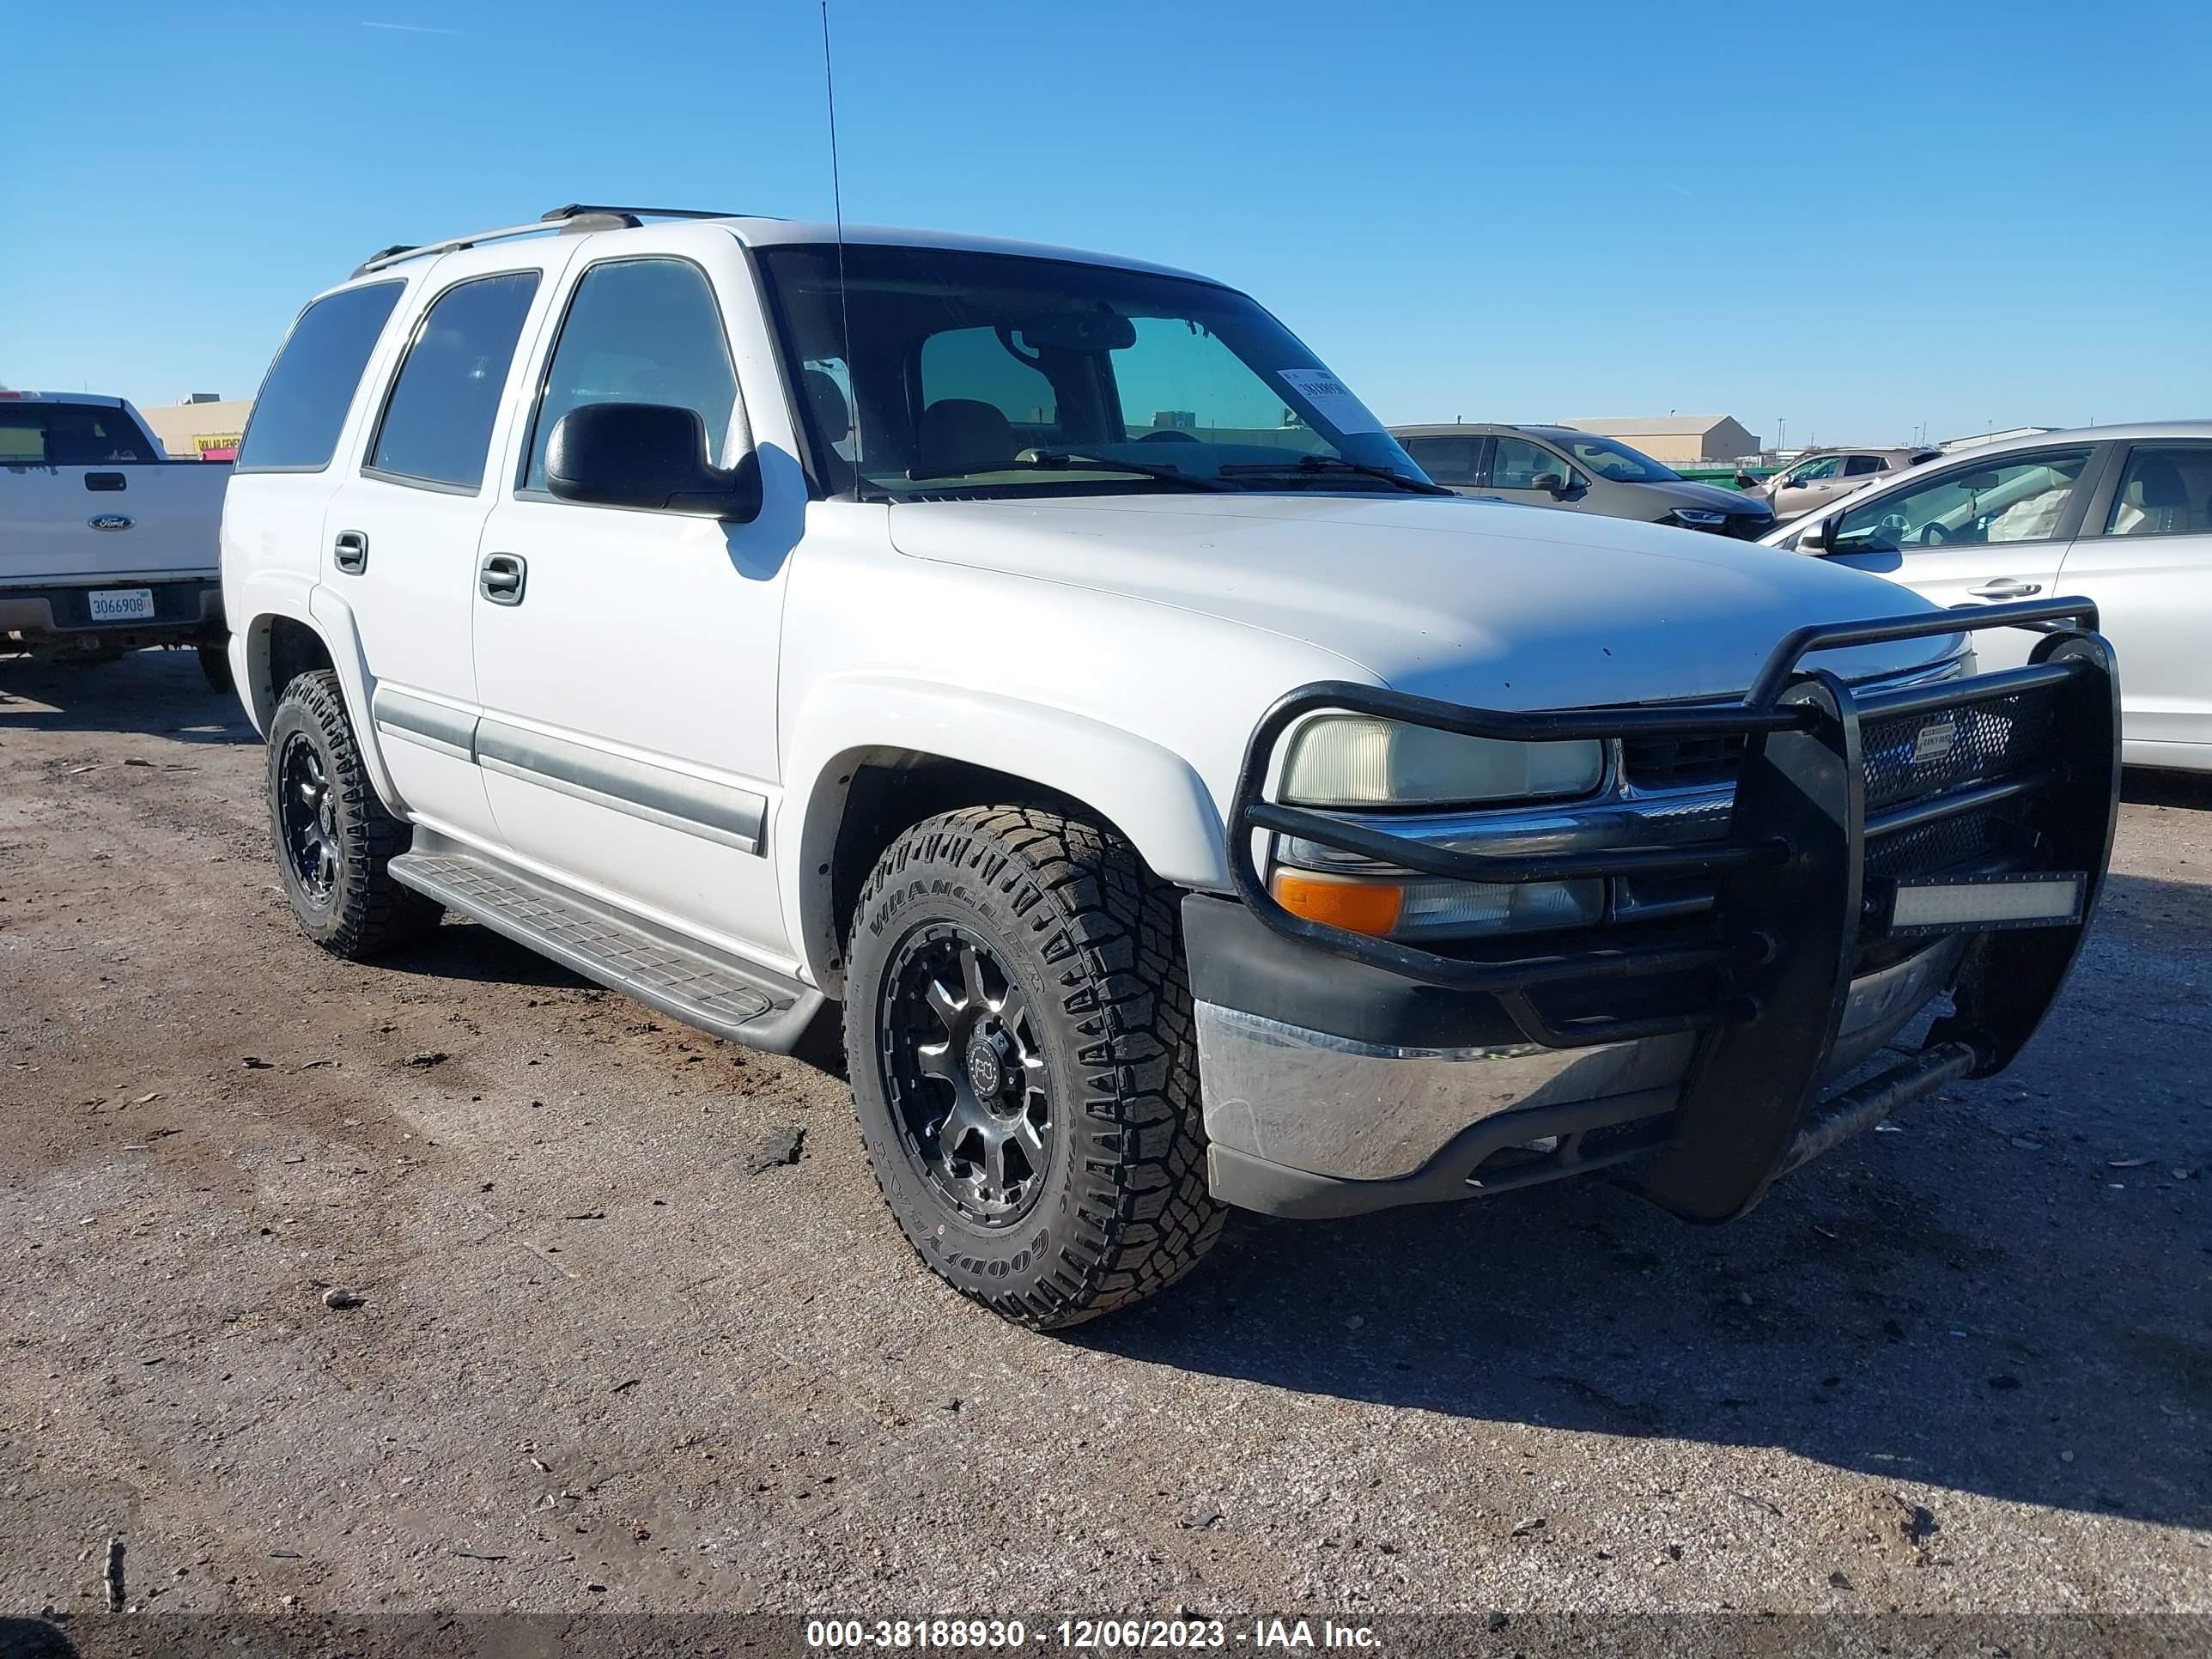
(1310, 464)
(1061, 460)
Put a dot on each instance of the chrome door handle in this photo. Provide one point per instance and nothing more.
(2004, 587)
(502, 576)
(350, 552)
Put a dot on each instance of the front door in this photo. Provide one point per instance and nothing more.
(399, 537)
(2146, 558)
(1522, 469)
(1981, 533)
(627, 658)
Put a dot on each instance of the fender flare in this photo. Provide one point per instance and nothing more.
(1150, 793)
(300, 599)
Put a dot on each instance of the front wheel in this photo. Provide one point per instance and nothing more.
(1024, 1067)
(334, 839)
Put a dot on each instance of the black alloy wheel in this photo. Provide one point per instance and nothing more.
(967, 1076)
(308, 812)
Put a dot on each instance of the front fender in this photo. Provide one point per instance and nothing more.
(1152, 794)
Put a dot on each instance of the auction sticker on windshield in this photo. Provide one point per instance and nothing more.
(1330, 399)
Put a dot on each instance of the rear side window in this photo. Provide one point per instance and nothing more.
(303, 402)
(71, 435)
(437, 423)
(2165, 492)
(639, 331)
(1446, 460)
(1860, 466)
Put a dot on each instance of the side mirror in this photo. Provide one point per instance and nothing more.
(1550, 481)
(1813, 538)
(646, 455)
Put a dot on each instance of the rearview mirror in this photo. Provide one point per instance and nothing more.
(1976, 483)
(646, 455)
(1079, 330)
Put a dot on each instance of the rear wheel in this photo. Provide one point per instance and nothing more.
(1025, 1068)
(334, 839)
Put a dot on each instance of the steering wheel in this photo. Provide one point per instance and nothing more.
(1932, 534)
(1167, 435)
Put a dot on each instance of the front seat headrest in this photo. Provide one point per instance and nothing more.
(962, 434)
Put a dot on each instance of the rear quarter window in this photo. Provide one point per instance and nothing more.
(302, 404)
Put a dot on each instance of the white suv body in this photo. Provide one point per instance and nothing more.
(973, 721)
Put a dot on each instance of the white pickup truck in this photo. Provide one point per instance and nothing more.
(105, 544)
(789, 626)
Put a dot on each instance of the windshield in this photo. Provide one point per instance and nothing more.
(997, 375)
(1608, 458)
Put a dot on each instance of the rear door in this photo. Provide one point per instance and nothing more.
(1453, 461)
(2145, 555)
(399, 539)
(1984, 531)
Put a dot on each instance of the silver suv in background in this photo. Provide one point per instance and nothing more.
(1581, 472)
(1812, 482)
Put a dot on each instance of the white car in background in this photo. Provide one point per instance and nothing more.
(2120, 514)
(106, 546)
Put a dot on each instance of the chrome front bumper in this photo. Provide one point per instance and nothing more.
(1346, 1111)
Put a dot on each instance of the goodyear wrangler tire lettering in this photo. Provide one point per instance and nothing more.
(1028, 1099)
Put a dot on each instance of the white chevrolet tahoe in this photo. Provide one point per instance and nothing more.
(785, 626)
(105, 544)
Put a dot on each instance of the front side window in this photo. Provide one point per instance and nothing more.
(2004, 500)
(1611, 459)
(303, 400)
(1812, 472)
(437, 423)
(975, 373)
(639, 331)
(1447, 460)
(2164, 492)
(1516, 463)
(71, 435)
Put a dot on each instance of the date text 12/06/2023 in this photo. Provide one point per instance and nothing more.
(1109, 1635)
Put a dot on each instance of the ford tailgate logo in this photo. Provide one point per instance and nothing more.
(110, 521)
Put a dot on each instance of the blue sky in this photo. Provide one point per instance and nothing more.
(1858, 218)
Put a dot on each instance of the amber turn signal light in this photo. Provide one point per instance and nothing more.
(1346, 902)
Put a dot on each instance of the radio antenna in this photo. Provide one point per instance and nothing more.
(837, 207)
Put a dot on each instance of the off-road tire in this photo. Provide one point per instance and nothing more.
(215, 664)
(367, 913)
(1096, 942)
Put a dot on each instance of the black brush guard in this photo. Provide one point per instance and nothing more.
(1796, 909)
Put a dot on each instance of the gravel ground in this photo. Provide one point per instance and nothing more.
(597, 1361)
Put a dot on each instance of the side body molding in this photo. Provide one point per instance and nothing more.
(1153, 795)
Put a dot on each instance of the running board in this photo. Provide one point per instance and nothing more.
(682, 978)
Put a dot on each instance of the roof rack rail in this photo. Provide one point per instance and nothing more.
(574, 218)
(586, 210)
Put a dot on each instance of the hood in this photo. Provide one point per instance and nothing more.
(1500, 606)
(1708, 498)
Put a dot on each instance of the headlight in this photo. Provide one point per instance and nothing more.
(1698, 518)
(1358, 760)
